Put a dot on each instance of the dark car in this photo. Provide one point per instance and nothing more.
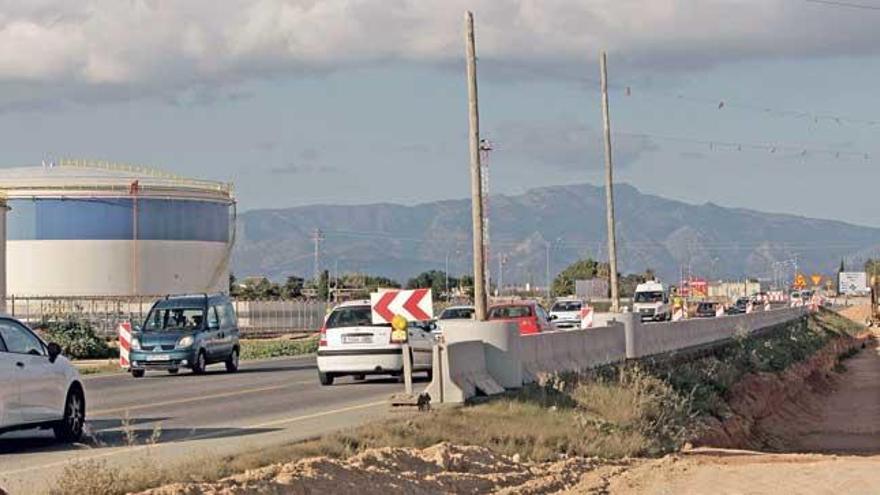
(706, 309)
(739, 307)
(191, 331)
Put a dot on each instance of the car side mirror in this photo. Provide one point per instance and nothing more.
(54, 351)
(553, 317)
(136, 329)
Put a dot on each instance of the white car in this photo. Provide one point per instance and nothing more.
(39, 388)
(566, 312)
(351, 344)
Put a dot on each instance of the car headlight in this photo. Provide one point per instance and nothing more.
(135, 344)
(185, 342)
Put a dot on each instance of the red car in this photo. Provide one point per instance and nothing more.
(530, 316)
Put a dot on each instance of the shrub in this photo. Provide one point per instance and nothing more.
(77, 339)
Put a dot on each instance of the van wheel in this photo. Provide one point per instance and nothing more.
(70, 428)
(137, 373)
(173, 371)
(326, 379)
(232, 362)
(199, 364)
(360, 378)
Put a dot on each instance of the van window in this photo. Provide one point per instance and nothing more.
(227, 316)
(213, 319)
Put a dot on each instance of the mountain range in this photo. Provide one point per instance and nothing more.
(559, 223)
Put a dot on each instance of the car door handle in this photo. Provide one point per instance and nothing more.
(20, 364)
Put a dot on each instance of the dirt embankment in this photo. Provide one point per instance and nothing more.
(822, 422)
(769, 410)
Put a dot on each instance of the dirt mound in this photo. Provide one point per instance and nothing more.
(443, 468)
(859, 313)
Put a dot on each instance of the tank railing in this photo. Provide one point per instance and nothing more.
(144, 171)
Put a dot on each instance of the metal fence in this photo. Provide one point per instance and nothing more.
(255, 318)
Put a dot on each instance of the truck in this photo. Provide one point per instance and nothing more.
(651, 301)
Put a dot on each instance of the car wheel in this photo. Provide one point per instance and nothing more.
(360, 377)
(137, 373)
(325, 378)
(70, 428)
(232, 362)
(173, 371)
(200, 363)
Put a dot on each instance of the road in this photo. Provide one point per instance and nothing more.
(266, 403)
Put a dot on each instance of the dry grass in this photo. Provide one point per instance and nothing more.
(612, 413)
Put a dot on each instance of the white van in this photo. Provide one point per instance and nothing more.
(651, 302)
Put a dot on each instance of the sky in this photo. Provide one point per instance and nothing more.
(763, 104)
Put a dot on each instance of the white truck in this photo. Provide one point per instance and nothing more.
(651, 302)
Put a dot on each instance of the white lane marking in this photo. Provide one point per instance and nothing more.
(152, 405)
(205, 436)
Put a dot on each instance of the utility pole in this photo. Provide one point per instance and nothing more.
(502, 260)
(609, 191)
(317, 237)
(547, 268)
(476, 171)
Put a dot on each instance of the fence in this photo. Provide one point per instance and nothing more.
(255, 318)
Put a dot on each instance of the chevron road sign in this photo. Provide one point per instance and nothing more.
(414, 305)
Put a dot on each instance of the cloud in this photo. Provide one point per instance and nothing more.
(565, 144)
(156, 46)
(304, 169)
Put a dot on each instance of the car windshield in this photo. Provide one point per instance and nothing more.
(649, 296)
(504, 312)
(174, 319)
(351, 316)
(566, 306)
(457, 314)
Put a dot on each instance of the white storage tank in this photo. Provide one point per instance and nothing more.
(98, 229)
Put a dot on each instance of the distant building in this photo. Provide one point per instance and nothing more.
(733, 290)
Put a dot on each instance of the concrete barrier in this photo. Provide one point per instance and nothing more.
(501, 341)
(460, 373)
(487, 357)
(660, 338)
(571, 350)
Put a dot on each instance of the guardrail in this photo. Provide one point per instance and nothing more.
(527, 358)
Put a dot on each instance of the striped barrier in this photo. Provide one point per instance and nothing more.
(124, 331)
(586, 317)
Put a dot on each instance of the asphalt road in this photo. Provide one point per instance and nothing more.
(266, 403)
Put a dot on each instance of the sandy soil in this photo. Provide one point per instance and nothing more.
(829, 437)
(837, 441)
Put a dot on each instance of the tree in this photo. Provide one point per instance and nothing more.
(586, 269)
(233, 286)
(292, 287)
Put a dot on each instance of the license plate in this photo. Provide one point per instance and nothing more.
(159, 357)
(357, 339)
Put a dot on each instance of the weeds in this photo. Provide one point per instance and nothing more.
(264, 349)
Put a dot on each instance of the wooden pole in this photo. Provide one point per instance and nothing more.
(609, 191)
(476, 178)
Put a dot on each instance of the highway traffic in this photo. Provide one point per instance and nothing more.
(266, 403)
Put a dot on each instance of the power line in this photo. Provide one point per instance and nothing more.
(721, 103)
(845, 4)
(718, 145)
